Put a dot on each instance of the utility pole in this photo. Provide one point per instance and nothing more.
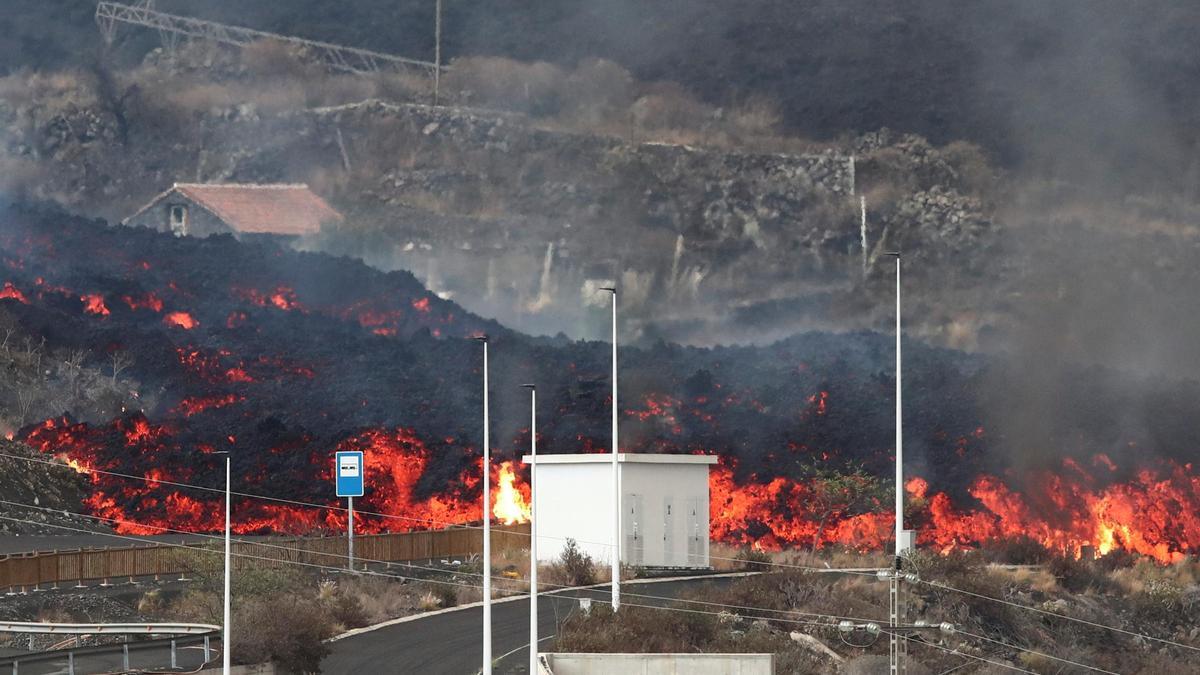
(437, 52)
(226, 635)
(533, 559)
(487, 522)
(898, 646)
(616, 471)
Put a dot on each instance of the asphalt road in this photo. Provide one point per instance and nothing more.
(450, 642)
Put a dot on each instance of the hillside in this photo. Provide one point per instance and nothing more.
(283, 356)
(1012, 77)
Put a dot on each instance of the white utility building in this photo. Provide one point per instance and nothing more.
(664, 519)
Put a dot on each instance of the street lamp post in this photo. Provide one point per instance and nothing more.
(487, 520)
(533, 559)
(616, 473)
(897, 645)
(226, 631)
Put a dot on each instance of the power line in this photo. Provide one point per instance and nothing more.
(955, 652)
(981, 596)
(244, 555)
(559, 586)
(427, 521)
(429, 569)
(423, 521)
(1036, 653)
(449, 583)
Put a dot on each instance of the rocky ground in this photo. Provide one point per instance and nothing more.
(37, 497)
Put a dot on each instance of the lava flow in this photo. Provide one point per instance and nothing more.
(284, 358)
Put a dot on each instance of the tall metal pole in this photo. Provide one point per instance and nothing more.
(350, 532)
(896, 647)
(899, 425)
(226, 641)
(533, 559)
(487, 522)
(437, 52)
(616, 472)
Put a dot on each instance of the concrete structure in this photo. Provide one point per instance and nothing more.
(201, 210)
(664, 500)
(657, 664)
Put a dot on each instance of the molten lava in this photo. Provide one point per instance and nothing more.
(181, 319)
(286, 368)
(93, 303)
(10, 292)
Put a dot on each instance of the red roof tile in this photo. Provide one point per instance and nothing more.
(269, 209)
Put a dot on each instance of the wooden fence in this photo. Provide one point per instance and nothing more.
(51, 568)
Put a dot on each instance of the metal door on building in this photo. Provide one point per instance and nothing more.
(670, 555)
(696, 533)
(633, 527)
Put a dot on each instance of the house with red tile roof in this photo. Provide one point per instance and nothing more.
(201, 210)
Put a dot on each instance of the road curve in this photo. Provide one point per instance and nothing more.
(450, 642)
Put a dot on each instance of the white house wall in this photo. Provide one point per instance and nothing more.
(575, 500)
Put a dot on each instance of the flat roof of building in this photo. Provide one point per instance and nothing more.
(624, 457)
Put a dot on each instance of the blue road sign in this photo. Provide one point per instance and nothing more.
(348, 472)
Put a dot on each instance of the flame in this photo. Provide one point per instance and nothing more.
(10, 292)
(77, 466)
(181, 319)
(510, 505)
(93, 303)
(194, 405)
(148, 301)
(1154, 514)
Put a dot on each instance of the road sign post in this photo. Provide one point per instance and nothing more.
(348, 475)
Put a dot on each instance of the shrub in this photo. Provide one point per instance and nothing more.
(428, 602)
(287, 630)
(756, 116)
(1016, 551)
(669, 106)
(753, 559)
(446, 594)
(1162, 600)
(1077, 576)
(346, 611)
(575, 566)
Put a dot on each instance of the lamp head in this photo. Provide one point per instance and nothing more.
(529, 386)
(482, 337)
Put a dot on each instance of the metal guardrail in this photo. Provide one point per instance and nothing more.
(36, 570)
(172, 26)
(70, 654)
(107, 628)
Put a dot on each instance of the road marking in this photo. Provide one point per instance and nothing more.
(524, 646)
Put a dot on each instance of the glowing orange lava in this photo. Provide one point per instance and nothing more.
(181, 319)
